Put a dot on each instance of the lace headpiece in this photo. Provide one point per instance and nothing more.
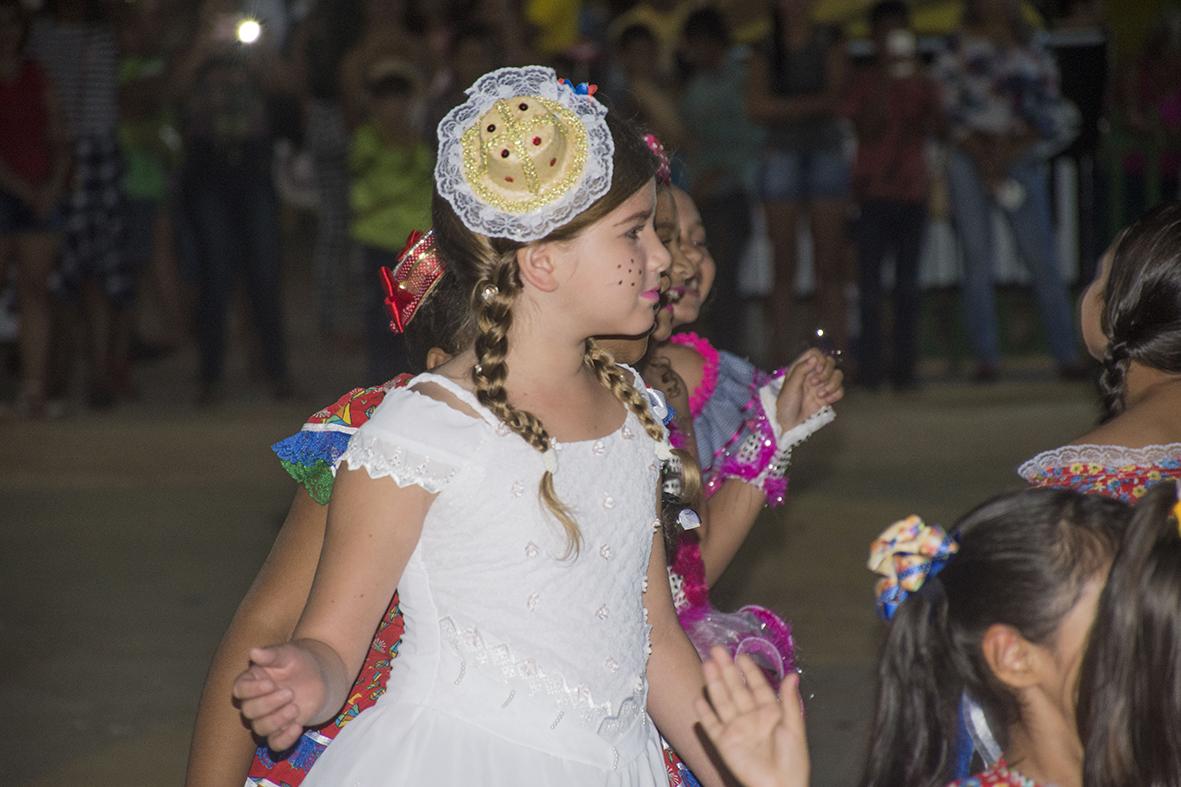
(413, 280)
(524, 154)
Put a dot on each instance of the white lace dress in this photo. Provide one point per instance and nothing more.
(517, 667)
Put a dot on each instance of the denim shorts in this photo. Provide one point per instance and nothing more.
(801, 175)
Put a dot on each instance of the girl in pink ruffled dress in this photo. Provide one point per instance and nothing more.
(742, 451)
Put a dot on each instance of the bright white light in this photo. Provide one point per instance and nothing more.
(249, 31)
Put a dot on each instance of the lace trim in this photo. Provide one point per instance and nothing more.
(709, 370)
(480, 216)
(406, 468)
(1106, 456)
(602, 716)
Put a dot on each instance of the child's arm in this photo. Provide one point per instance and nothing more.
(305, 681)
(812, 382)
(222, 746)
(675, 678)
(760, 736)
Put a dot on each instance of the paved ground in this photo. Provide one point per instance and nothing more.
(129, 538)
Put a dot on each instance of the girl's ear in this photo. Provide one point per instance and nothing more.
(436, 357)
(1011, 657)
(537, 264)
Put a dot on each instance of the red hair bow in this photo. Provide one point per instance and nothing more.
(411, 282)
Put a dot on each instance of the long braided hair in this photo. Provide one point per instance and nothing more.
(1141, 314)
(488, 268)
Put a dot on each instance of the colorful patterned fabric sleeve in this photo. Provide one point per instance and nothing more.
(1110, 470)
(311, 455)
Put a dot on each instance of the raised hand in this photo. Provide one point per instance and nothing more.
(811, 382)
(281, 692)
(760, 737)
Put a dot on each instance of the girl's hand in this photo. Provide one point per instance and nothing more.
(812, 381)
(760, 737)
(280, 692)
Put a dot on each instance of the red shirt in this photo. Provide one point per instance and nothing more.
(24, 124)
(895, 118)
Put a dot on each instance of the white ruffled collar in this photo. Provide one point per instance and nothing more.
(1106, 456)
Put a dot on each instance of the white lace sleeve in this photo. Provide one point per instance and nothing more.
(415, 440)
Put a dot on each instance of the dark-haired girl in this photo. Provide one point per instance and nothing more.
(1129, 706)
(996, 613)
(1131, 322)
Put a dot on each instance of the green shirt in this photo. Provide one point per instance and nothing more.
(391, 191)
(144, 139)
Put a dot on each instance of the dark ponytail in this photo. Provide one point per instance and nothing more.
(1024, 559)
(1141, 315)
(1129, 707)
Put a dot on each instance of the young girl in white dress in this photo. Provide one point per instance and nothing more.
(510, 495)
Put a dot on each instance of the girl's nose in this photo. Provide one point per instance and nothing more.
(659, 258)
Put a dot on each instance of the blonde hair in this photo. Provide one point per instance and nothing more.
(488, 267)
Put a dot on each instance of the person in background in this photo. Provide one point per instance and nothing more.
(1000, 90)
(77, 46)
(150, 148)
(393, 178)
(471, 51)
(639, 91)
(34, 165)
(322, 40)
(387, 28)
(719, 161)
(1149, 98)
(895, 110)
(231, 208)
(795, 86)
(665, 19)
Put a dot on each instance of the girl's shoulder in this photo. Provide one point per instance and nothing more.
(431, 409)
(697, 362)
(425, 433)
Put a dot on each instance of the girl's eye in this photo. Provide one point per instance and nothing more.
(634, 232)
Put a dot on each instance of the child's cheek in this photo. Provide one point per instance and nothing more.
(628, 275)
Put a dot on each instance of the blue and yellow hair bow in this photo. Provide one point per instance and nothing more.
(907, 554)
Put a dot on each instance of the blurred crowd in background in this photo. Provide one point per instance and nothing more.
(149, 150)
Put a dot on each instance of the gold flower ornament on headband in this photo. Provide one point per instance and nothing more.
(523, 155)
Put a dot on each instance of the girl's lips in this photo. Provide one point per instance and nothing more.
(651, 295)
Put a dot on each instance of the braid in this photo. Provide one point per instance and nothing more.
(1114, 378)
(616, 380)
(496, 290)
